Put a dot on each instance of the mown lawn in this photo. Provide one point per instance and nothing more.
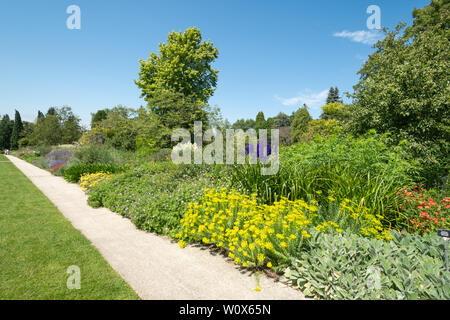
(37, 245)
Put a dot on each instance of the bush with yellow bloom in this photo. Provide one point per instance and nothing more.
(89, 181)
(254, 235)
(257, 235)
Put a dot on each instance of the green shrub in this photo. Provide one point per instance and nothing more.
(29, 157)
(364, 170)
(91, 154)
(347, 266)
(155, 196)
(74, 173)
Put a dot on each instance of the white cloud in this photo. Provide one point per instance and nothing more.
(361, 36)
(309, 98)
(314, 101)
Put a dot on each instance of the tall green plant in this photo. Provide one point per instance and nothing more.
(364, 170)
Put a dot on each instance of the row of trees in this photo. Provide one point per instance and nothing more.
(11, 131)
(299, 126)
(58, 126)
(403, 89)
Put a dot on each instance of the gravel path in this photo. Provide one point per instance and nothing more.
(154, 266)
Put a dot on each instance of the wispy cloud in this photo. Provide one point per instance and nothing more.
(314, 100)
(361, 36)
(309, 98)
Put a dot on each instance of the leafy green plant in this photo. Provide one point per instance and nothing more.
(364, 170)
(74, 173)
(347, 266)
(156, 195)
(91, 154)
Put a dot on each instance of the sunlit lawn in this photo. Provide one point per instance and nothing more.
(37, 245)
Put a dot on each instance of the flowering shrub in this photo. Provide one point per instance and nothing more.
(74, 173)
(254, 235)
(54, 161)
(422, 212)
(90, 180)
(265, 235)
(58, 155)
(56, 166)
(353, 217)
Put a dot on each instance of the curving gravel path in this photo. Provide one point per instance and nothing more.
(154, 266)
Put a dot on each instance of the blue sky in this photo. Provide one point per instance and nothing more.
(273, 55)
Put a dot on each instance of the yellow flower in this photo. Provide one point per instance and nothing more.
(205, 240)
(305, 234)
(283, 244)
(269, 264)
(182, 244)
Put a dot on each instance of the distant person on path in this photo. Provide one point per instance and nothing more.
(6, 151)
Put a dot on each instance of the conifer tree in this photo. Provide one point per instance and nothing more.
(16, 131)
(260, 122)
(5, 132)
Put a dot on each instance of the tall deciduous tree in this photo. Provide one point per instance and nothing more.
(299, 124)
(282, 120)
(181, 73)
(59, 126)
(40, 116)
(51, 111)
(16, 132)
(70, 125)
(404, 88)
(337, 111)
(244, 124)
(99, 116)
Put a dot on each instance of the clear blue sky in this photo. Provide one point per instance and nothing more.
(273, 55)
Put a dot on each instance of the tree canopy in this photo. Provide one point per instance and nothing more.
(333, 95)
(178, 81)
(59, 126)
(300, 123)
(16, 131)
(404, 88)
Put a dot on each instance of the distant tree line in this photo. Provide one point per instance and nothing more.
(58, 126)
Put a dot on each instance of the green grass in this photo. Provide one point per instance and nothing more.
(37, 245)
